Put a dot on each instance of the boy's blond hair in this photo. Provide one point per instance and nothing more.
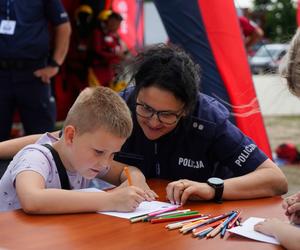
(100, 107)
(289, 67)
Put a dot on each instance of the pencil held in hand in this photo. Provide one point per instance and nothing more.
(127, 173)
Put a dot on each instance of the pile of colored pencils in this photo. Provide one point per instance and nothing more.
(200, 225)
(208, 227)
(168, 215)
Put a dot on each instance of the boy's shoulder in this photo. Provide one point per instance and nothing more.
(46, 138)
(34, 155)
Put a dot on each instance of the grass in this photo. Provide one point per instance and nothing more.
(282, 129)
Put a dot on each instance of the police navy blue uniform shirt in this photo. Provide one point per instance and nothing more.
(203, 145)
(31, 39)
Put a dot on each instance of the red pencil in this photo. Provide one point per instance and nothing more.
(179, 218)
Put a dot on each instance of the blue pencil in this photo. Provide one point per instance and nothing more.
(226, 222)
(223, 231)
(205, 232)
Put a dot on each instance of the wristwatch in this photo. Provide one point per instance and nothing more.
(53, 63)
(218, 185)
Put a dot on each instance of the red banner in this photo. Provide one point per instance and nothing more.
(132, 27)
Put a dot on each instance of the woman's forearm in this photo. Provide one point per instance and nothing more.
(10, 147)
(266, 181)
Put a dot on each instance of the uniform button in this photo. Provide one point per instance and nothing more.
(200, 127)
(195, 124)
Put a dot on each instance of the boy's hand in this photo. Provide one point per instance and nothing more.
(268, 226)
(292, 206)
(150, 195)
(126, 199)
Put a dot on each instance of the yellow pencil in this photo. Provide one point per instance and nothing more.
(127, 173)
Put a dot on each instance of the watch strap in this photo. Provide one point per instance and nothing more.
(53, 63)
(218, 193)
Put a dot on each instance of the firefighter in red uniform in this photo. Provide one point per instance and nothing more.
(107, 49)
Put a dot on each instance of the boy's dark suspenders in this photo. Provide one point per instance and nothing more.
(64, 179)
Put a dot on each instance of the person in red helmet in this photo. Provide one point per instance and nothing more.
(107, 48)
(288, 152)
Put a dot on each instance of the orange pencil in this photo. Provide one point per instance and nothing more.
(127, 173)
(198, 230)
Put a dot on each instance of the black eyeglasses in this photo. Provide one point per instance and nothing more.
(166, 117)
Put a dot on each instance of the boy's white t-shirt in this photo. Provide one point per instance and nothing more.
(38, 158)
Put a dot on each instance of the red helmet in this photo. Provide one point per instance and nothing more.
(288, 151)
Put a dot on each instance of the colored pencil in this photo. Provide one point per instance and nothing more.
(173, 213)
(180, 224)
(178, 215)
(205, 232)
(198, 230)
(224, 224)
(192, 225)
(211, 220)
(174, 219)
(127, 173)
(137, 219)
(163, 210)
(231, 223)
(214, 232)
(147, 217)
(223, 231)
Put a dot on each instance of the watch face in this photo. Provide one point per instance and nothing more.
(215, 181)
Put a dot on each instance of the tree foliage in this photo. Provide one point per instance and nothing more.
(277, 18)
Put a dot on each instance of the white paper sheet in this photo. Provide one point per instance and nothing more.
(247, 230)
(145, 207)
(101, 184)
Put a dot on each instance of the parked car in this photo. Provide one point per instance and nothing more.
(267, 58)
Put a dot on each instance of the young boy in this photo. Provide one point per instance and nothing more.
(96, 126)
(286, 233)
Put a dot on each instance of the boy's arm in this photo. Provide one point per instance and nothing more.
(36, 199)
(287, 234)
(117, 176)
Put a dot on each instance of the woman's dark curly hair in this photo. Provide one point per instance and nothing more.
(169, 68)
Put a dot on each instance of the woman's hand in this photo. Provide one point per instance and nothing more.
(178, 192)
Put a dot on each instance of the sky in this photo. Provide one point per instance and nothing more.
(243, 3)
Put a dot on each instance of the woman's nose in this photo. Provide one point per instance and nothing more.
(154, 121)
